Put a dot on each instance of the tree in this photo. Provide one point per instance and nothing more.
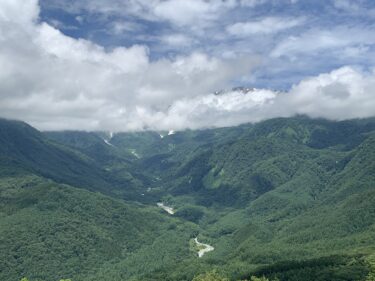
(210, 276)
(371, 274)
(254, 278)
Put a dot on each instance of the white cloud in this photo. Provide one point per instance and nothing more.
(19, 12)
(190, 12)
(57, 82)
(211, 110)
(177, 12)
(342, 94)
(177, 40)
(120, 27)
(264, 25)
(317, 39)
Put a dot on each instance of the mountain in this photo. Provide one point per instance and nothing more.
(284, 189)
(238, 165)
(24, 149)
(288, 198)
(51, 231)
(89, 163)
(96, 145)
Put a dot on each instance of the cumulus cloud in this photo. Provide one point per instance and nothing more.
(342, 94)
(54, 82)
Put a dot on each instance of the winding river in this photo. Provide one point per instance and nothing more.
(206, 248)
(203, 248)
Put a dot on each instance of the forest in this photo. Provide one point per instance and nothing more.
(285, 199)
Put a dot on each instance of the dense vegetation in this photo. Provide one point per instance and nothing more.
(285, 199)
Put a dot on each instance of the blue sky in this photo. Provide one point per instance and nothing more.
(292, 39)
(133, 65)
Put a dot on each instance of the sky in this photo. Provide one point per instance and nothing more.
(130, 65)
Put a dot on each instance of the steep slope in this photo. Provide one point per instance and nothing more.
(339, 220)
(116, 163)
(97, 146)
(262, 157)
(324, 211)
(50, 231)
(24, 149)
(282, 192)
(293, 190)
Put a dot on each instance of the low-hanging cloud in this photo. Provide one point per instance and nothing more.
(344, 93)
(57, 82)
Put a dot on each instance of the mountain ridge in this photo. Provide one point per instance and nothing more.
(286, 189)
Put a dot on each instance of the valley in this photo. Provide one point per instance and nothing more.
(277, 198)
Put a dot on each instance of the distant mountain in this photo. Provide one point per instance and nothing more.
(96, 145)
(247, 161)
(23, 149)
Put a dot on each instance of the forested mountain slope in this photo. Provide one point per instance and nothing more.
(285, 198)
(24, 149)
(50, 232)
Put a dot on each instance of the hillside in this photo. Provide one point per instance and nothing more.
(253, 160)
(25, 150)
(282, 198)
(50, 231)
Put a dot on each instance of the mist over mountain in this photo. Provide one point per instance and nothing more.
(199, 140)
(64, 68)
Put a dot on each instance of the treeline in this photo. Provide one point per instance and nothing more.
(333, 268)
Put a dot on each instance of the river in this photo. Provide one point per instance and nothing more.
(169, 210)
(206, 248)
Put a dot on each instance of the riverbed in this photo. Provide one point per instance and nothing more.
(168, 209)
(206, 248)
